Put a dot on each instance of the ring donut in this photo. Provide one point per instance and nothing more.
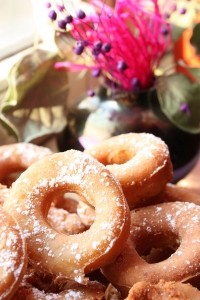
(139, 161)
(70, 255)
(65, 222)
(163, 291)
(173, 193)
(43, 286)
(18, 157)
(13, 255)
(174, 225)
(31, 293)
(4, 193)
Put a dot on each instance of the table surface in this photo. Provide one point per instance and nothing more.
(192, 180)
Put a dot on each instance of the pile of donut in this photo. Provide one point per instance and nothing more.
(104, 223)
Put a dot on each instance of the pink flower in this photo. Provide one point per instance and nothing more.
(124, 44)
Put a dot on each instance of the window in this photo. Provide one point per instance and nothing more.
(17, 26)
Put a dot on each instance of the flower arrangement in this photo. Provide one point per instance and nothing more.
(125, 45)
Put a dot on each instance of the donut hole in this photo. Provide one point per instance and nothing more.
(75, 203)
(158, 247)
(67, 201)
(69, 214)
(10, 178)
(119, 157)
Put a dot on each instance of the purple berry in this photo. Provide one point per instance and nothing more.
(69, 19)
(182, 11)
(79, 48)
(121, 65)
(135, 83)
(106, 47)
(184, 107)
(81, 14)
(60, 7)
(166, 15)
(96, 72)
(96, 48)
(52, 15)
(48, 4)
(91, 93)
(97, 45)
(164, 30)
(62, 24)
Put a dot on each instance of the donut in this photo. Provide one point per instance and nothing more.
(41, 285)
(140, 161)
(76, 204)
(82, 293)
(65, 222)
(17, 158)
(4, 193)
(173, 193)
(75, 211)
(112, 293)
(163, 291)
(175, 226)
(67, 201)
(75, 255)
(32, 293)
(86, 213)
(13, 256)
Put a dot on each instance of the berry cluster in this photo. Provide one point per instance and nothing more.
(124, 44)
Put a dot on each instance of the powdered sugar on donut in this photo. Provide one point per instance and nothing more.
(175, 225)
(12, 254)
(77, 172)
(139, 161)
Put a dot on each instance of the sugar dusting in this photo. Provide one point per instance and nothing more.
(21, 155)
(144, 158)
(11, 250)
(143, 146)
(178, 219)
(69, 294)
(74, 175)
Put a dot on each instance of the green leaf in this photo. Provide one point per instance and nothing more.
(8, 126)
(29, 70)
(176, 32)
(193, 73)
(176, 91)
(195, 38)
(35, 102)
(31, 125)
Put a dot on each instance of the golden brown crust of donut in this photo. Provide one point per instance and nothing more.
(40, 285)
(18, 157)
(172, 193)
(73, 292)
(163, 225)
(112, 293)
(13, 255)
(4, 193)
(139, 161)
(71, 255)
(163, 291)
